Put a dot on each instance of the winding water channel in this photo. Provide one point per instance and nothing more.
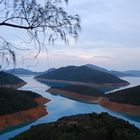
(61, 106)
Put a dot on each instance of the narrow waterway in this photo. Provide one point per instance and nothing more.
(61, 106)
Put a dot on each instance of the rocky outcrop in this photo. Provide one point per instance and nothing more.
(24, 116)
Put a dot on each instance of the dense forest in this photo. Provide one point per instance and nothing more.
(127, 96)
(9, 79)
(83, 127)
(12, 100)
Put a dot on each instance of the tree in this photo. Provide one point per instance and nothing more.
(47, 19)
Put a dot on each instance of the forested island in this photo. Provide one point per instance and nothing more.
(17, 107)
(125, 101)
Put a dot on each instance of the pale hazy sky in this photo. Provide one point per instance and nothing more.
(110, 37)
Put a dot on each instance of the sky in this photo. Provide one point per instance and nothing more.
(110, 37)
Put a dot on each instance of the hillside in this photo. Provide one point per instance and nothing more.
(83, 127)
(22, 71)
(12, 100)
(9, 80)
(126, 96)
(18, 107)
(114, 72)
(125, 101)
(81, 74)
(96, 67)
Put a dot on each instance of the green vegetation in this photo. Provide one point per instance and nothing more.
(81, 74)
(9, 79)
(83, 90)
(126, 96)
(83, 127)
(12, 100)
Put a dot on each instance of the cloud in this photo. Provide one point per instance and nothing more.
(109, 36)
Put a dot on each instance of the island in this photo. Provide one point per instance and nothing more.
(17, 107)
(10, 81)
(82, 75)
(125, 101)
(83, 127)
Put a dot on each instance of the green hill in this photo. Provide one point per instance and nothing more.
(126, 96)
(7, 79)
(12, 100)
(83, 127)
(81, 74)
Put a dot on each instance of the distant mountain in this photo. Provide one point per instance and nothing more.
(117, 73)
(81, 74)
(9, 80)
(120, 74)
(22, 71)
(133, 72)
(96, 67)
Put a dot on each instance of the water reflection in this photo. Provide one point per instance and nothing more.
(61, 106)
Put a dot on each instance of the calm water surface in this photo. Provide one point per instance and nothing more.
(61, 106)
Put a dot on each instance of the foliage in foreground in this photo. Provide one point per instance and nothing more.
(83, 127)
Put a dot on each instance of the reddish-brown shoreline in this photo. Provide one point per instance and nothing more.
(103, 101)
(74, 95)
(24, 116)
(120, 107)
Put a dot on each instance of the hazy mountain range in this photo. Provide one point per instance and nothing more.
(22, 71)
(114, 72)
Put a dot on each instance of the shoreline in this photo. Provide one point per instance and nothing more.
(102, 101)
(96, 85)
(11, 120)
(74, 95)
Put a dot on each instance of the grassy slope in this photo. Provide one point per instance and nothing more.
(83, 127)
(12, 100)
(127, 96)
(81, 74)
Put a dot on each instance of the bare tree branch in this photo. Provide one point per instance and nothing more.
(38, 19)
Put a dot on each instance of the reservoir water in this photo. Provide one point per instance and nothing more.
(61, 106)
